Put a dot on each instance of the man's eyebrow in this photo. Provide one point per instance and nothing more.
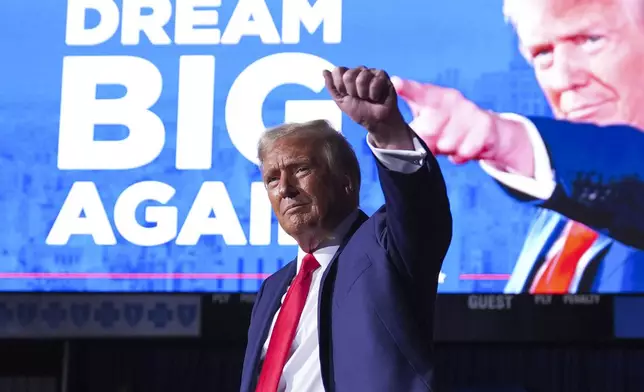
(290, 162)
(584, 28)
(297, 161)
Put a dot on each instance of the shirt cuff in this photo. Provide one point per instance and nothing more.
(403, 161)
(542, 185)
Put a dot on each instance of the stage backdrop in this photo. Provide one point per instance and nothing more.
(129, 129)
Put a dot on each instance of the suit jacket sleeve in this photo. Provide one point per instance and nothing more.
(598, 173)
(418, 227)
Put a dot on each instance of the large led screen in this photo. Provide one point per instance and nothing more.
(129, 130)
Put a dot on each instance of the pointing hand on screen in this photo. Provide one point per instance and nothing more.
(454, 126)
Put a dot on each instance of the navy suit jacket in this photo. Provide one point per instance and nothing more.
(376, 303)
(599, 172)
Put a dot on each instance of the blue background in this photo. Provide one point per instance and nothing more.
(461, 44)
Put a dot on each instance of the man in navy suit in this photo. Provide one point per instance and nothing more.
(355, 310)
(585, 168)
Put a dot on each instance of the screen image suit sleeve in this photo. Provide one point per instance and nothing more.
(596, 175)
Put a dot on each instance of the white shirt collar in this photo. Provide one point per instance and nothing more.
(325, 254)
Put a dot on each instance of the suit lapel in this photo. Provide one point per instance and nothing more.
(592, 255)
(544, 231)
(362, 218)
(273, 295)
(324, 306)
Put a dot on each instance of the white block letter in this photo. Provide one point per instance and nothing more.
(260, 215)
(187, 18)
(195, 112)
(165, 217)
(251, 18)
(151, 25)
(76, 34)
(212, 198)
(83, 199)
(311, 17)
(250, 89)
(80, 111)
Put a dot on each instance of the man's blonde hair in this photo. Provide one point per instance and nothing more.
(634, 9)
(340, 156)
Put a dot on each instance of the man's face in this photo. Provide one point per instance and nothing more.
(300, 186)
(587, 56)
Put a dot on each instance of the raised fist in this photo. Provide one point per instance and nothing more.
(368, 97)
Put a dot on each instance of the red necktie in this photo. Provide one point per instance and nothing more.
(560, 269)
(285, 326)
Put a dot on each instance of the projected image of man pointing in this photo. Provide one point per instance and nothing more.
(584, 169)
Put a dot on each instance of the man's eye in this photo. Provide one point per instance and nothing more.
(302, 170)
(541, 57)
(542, 53)
(591, 38)
(591, 42)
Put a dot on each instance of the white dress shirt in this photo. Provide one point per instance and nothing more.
(302, 372)
(542, 185)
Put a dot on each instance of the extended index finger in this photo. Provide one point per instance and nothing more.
(418, 94)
